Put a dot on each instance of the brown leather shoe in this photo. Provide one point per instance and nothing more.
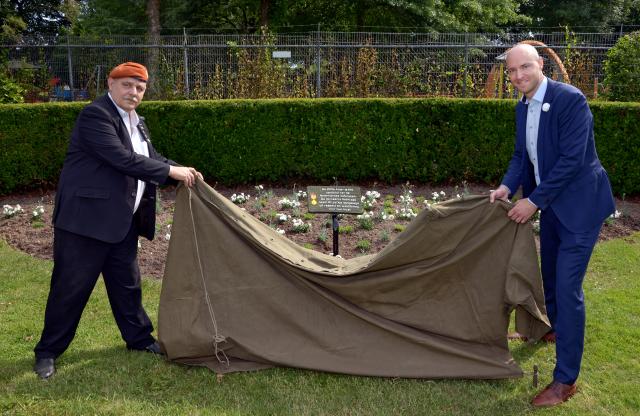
(554, 394)
(516, 336)
(549, 337)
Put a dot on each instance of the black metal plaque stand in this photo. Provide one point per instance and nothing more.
(334, 200)
(336, 229)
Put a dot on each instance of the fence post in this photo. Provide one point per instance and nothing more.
(466, 64)
(70, 66)
(186, 64)
(318, 62)
(97, 80)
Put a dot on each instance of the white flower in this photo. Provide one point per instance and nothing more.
(406, 213)
(280, 231)
(8, 211)
(364, 216)
(299, 226)
(240, 198)
(167, 236)
(38, 212)
(282, 217)
(437, 196)
(288, 203)
(546, 107)
(616, 215)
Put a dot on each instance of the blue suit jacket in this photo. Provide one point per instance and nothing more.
(98, 184)
(573, 183)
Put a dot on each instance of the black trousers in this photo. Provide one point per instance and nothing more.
(78, 262)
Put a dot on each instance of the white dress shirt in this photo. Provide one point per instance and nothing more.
(533, 121)
(131, 121)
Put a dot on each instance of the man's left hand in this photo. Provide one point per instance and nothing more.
(522, 211)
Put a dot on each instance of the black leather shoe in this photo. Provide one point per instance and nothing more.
(153, 348)
(44, 367)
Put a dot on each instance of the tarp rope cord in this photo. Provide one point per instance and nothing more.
(217, 338)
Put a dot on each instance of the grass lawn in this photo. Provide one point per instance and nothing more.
(97, 375)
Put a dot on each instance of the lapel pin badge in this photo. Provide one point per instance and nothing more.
(546, 107)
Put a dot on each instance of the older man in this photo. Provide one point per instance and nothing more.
(556, 163)
(105, 200)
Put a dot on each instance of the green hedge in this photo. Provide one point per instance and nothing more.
(249, 141)
(33, 142)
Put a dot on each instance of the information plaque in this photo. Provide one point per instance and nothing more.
(334, 199)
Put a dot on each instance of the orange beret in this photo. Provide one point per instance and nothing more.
(130, 69)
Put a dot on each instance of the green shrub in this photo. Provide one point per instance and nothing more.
(323, 236)
(345, 229)
(33, 143)
(10, 92)
(363, 245)
(249, 141)
(618, 143)
(622, 69)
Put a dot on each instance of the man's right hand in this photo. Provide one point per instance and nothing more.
(185, 174)
(501, 193)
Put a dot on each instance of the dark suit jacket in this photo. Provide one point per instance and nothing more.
(98, 184)
(573, 183)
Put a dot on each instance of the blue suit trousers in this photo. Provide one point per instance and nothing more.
(564, 259)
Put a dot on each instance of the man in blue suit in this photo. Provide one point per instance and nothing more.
(556, 163)
(105, 200)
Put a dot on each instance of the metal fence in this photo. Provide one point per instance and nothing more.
(310, 64)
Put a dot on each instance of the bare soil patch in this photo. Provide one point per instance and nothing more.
(36, 237)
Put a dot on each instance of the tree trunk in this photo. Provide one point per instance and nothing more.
(264, 12)
(153, 14)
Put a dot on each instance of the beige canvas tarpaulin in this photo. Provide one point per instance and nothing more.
(434, 303)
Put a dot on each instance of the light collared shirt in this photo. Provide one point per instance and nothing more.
(533, 121)
(131, 121)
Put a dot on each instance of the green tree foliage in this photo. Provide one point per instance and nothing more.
(633, 16)
(41, 18)
(428, 15)
(597, 14)
(111, 16)
(247, 16)
(622, 69)
(11, 25)
(238, 15)
(10, 92)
